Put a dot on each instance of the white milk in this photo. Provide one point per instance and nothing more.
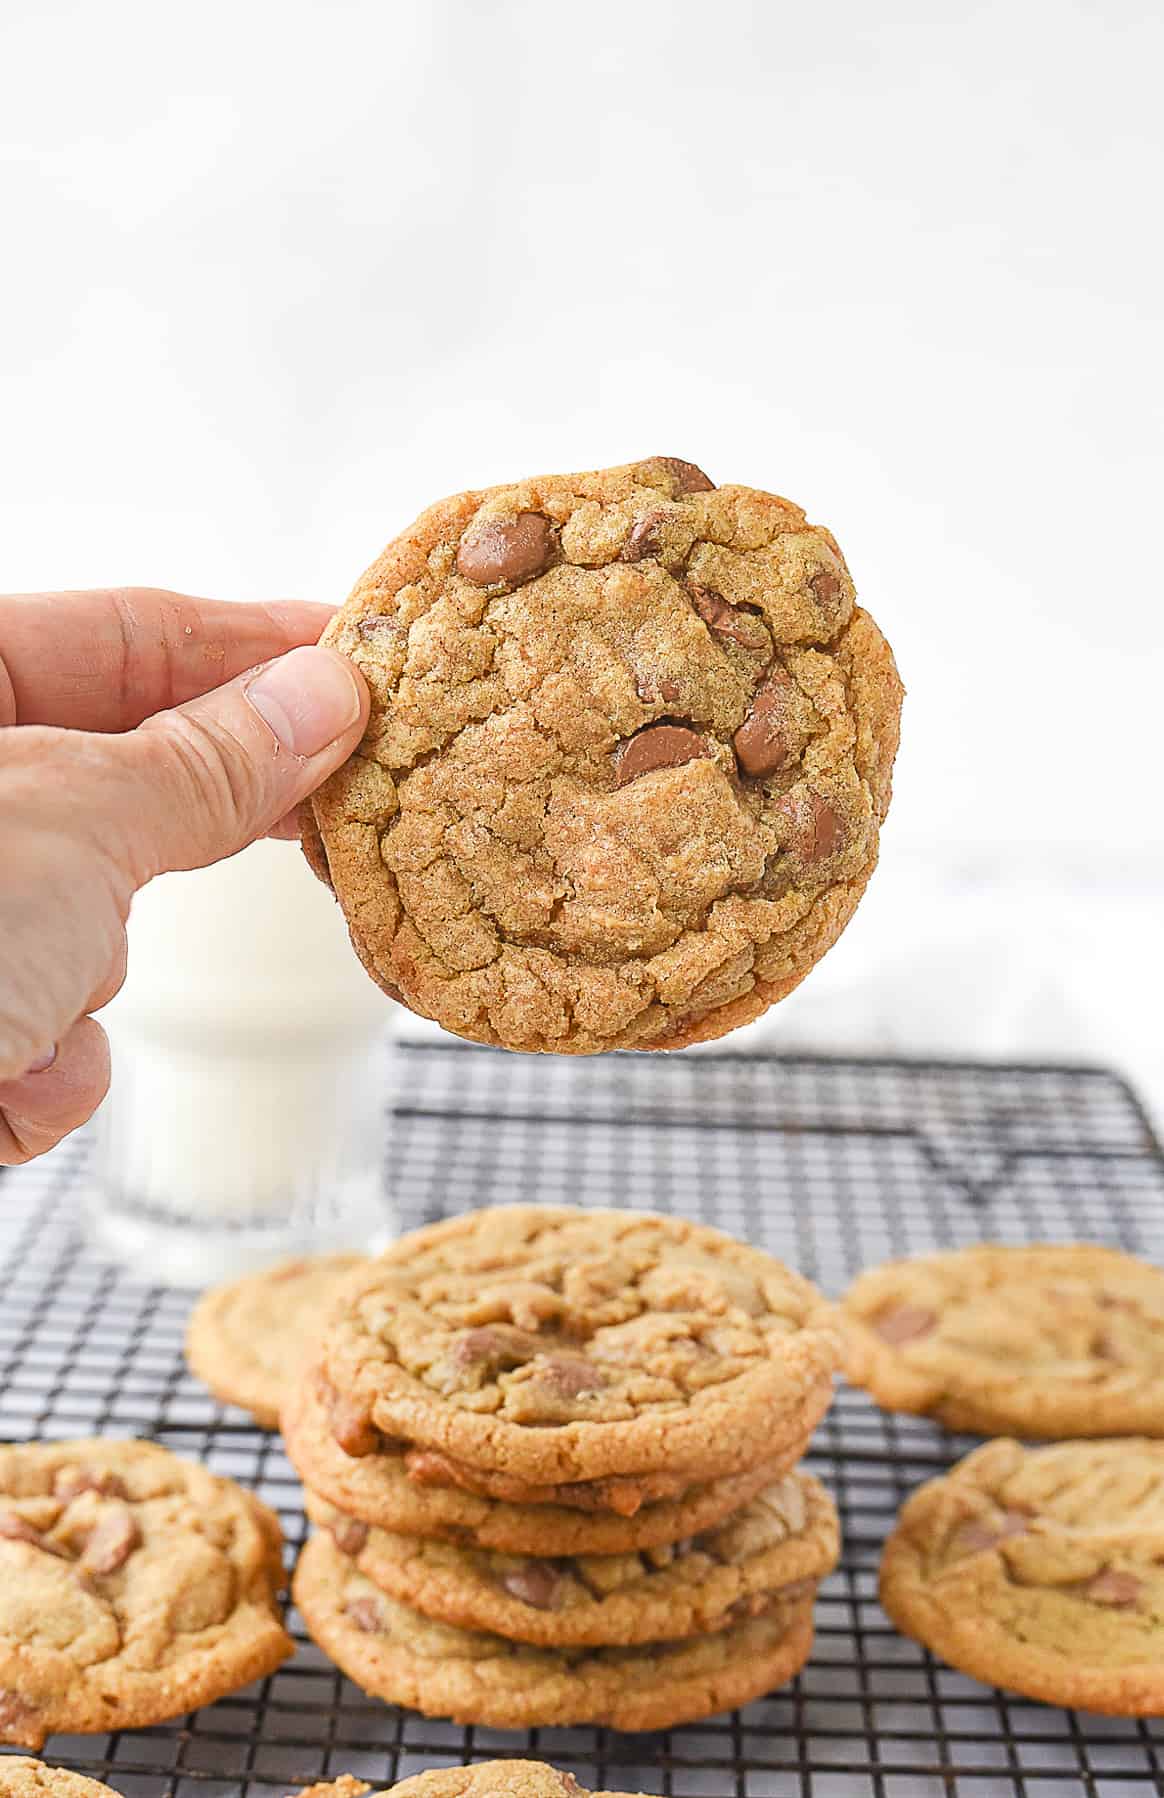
(247, 1116)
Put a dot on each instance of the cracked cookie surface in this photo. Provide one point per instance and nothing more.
(470, 1676)
(133, 1586)
(23, 1778)
(247, 1339)
(783, 1538)
(560, 1344)
(630, 749)
(1041, 1570)
(487, 1779)
(378, 1490)
(1049, 1340)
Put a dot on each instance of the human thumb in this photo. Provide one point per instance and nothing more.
(209, 777)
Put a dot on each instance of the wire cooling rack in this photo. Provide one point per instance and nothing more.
(830, 1164)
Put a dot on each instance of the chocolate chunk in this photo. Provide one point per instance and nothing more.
(904, 1323)
(817, 830)
(72, 1481)
(111, 1541)
(768, 739)
(656, 746)
(352, 1426)
(686, 476)
(536, 1583)
(349, 1535)
(735, 623)
(978, 1535)
(366, 1614)
(510, 550)
(569, 1378)
(1116, 1590)
(643, 538)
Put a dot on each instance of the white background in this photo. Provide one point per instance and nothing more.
(276, 276)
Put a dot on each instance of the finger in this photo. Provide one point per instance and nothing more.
(39, 1109)
(112, 981)
(288, 828)
(210, 777)
(106, 660)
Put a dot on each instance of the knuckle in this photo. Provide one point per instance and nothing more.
(206, 769)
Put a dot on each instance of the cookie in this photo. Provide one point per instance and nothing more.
(133, 1586)
(1041, 1570)
(787, 1535)
(22, 1778)
(488, 1779)
(1048, 1341)
(629, 752)
(380, 1490)
(246, 1340)
(394, 1653)
(553, 1344)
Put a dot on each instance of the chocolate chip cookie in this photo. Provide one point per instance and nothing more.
(247, 1339)
(629, 753)
(786, 1536)
(22, 1778)
(394, 1653)
(1041, 1570)
(394, 1490)
(489, 1779)
(553, 1344)
(1051, 1340)
(133, 1586)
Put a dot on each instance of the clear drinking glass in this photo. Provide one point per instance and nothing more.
(247, 1117)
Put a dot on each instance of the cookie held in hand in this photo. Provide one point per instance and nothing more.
(629, 753)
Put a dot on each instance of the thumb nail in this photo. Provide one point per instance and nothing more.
(307, 698)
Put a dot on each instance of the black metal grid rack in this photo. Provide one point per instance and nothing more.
(831, 1164)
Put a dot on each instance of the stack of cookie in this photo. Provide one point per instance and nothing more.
(552, 1457)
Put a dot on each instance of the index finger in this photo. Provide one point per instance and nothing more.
(104, 660)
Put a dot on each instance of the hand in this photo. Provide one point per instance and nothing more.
(124, 755)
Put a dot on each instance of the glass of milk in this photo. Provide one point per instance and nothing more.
(247, 1117)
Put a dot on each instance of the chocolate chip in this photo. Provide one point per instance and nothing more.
(817, 830)
(1116, 1590)
(827, 588)
(735, 623)
(379, 626)
(111, 1541)
(656, 746)
(18, 1529)
(904, 1323)
(495, 1345)
(349, 1535)
(686, 476)
(510, 550)
(651, 692)
(570, 1785)
(643, 538)
(569, 1378)
(978, 1535)
(768, 739)
(366, 1614)
(352, 1426)
(72, 1481)
(536, 1583)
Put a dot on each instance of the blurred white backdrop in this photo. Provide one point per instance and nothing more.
(276, 276)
